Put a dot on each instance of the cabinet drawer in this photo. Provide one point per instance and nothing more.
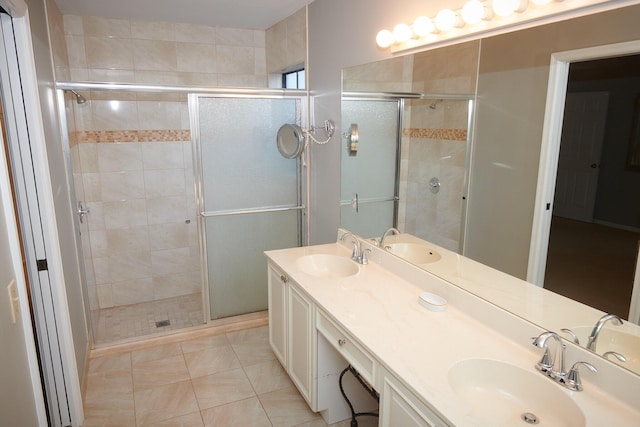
(351, 351)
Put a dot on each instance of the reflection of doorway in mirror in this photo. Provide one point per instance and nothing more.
(596, 226)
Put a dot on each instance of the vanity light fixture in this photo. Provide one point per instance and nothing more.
(447, 20)
(475, 11)
(504, 8)
(425, 29)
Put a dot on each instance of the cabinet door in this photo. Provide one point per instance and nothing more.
(399, 408)
(278, 314)
(301, 343)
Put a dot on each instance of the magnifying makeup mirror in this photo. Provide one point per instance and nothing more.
(290, 140)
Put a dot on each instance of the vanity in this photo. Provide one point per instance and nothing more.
(471, 364)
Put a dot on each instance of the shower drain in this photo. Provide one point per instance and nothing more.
(162, 323)
(530, 418)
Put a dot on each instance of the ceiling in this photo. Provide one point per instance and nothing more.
(256, 14)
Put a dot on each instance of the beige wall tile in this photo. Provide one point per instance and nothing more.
(235, 59)
(173, 285)
(153, 30)
(127, 240)
(197, 79)
(132, 292)
(196, 57)
(164, 183)
(166, 210)
(118, 186)
(130, 266)
(194, 33)
(159, 115)
(116, 157)
(73, 24)
(111, 76)
(168, 236)
(124, 213)
(154, 55)
(105, 27)
(76, 52)
(235, 36)
(170, 261)
(157, 77)
(115, 53)
(162, 155)
(79, 74)
(105, 299)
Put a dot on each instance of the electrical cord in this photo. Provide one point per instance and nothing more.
(367, 387)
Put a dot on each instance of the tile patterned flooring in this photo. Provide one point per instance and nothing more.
(139, 320)
(231, 379)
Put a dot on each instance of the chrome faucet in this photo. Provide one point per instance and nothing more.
(358, 254)
(546, 365)
(593, 338)
(385, 234)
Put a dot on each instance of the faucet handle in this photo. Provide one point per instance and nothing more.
(363, 257)
(615, 354)
(572, 380)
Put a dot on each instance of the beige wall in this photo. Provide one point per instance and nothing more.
(123, 51)
(286, 43)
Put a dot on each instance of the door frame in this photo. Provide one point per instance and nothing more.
(550, 147)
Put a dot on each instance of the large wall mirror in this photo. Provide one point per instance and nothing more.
(449, 147)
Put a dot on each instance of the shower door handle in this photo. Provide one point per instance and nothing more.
(82, 211)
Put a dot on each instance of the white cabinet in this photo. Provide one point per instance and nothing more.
(399, 407)
(300, 340)
(292, 333)
(277, 314)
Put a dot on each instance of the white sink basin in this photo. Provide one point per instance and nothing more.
(500, 394)
(327, 266)
(610, 339)
(413, 252)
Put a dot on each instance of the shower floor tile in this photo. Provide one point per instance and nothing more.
(140, 320)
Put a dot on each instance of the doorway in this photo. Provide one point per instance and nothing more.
(594, 204)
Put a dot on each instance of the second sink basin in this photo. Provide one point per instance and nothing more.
(413, 252)
(501, 394)
(327, 266)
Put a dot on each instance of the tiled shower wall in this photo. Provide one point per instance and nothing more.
(138, 186)
(435, 145)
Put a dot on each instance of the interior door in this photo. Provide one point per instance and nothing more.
(251, 197)
(583, 128)
(369, 192)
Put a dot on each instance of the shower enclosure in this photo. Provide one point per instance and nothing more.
(153, 169)
(410, 170)
(250, 199)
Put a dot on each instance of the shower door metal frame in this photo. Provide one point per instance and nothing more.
(194, 118)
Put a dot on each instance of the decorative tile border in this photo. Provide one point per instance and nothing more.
(433, 133)
(106, 136)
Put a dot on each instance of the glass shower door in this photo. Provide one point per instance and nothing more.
(250, 196)
(368, 204)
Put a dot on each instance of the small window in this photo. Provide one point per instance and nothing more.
(293, 80)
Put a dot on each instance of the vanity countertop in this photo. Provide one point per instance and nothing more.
(381, 311)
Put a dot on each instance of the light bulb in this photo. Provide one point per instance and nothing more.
(504, 8)
(402, 33)
(446, 19)
(473, 12)
(384, 39)
(422, 26)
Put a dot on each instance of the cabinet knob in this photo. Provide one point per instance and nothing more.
(284, 278)
(342, 341)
